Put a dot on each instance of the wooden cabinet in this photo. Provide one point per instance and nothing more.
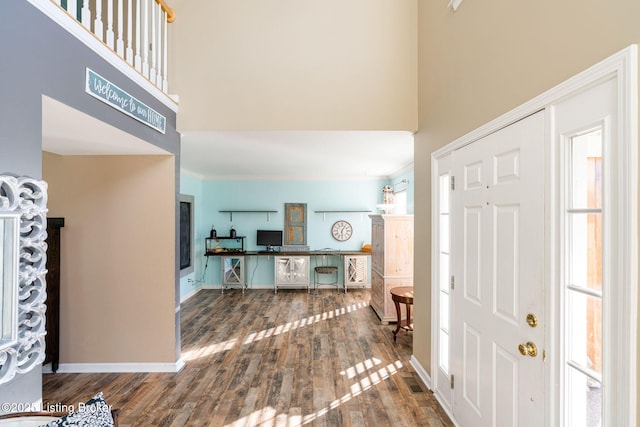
(292, 271)
(355, 271)
(391, 260)
(233, 271)
(52, 339)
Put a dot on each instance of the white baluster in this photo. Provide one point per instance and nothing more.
(98, 28)
(165, 81)
(119, 40)
(72, 8)
(138, 59)
(85, 17)
(145, 40)
(159, 47)
(110, 34)
(58, 2)
(129, 52)
(152, 73)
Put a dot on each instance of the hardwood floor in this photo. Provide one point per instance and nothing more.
(284, 359)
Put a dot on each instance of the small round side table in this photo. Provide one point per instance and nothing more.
(402, 295)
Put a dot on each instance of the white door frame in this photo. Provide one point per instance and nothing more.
(621, 393)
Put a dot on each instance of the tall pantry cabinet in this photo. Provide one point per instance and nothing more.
(391, 261)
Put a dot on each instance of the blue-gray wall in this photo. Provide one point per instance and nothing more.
(40, 58)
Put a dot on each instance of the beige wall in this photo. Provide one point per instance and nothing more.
(118, 256)
(295, 65)
(484, 60)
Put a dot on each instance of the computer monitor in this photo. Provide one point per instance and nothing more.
(269, 238)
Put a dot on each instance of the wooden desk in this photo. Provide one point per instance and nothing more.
(402, 295)
(353, 273)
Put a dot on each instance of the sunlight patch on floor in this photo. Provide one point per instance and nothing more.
(208, 350)
(360, 367)
(298, 324)
(268, 417)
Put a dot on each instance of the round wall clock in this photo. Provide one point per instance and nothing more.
(341, 231)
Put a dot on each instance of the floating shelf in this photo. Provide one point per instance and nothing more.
(231, 212)
(342, 210)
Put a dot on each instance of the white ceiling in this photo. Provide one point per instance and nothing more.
(242, 154)
(69, 132)
(296, 154)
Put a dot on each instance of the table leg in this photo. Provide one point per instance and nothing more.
(399, 313)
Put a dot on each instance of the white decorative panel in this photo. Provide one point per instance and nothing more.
(505, 387)
(473, 176)
(472, 253)
(27, 197)
(355, 270)
(292, 270)
(232, 270)
(471, 380)
(506, 262)
(507, 166)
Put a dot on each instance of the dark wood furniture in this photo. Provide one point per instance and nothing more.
(402, 295)
(52, 339)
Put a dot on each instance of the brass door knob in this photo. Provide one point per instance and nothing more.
(528, 349)
(532, 320)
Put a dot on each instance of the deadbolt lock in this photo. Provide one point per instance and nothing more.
(532, 320)
(528, 349)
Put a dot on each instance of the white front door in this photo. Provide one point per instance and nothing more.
(497, 227)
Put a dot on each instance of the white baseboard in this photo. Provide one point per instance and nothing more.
(191, 293)
(95, 368)
(426, 379)
(197, 289)
(422, 373)
(445, 407)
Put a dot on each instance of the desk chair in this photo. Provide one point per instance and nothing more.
(321, 270)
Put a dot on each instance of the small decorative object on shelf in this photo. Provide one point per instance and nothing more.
(387, 195)
(213, 234)
(232, 232)
(387, 200)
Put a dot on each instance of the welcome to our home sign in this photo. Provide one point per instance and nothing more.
(107, 92)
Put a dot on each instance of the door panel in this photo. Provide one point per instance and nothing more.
(497, 222)
(472, 253)
(506, 276)
(505, 386)
(472, 359)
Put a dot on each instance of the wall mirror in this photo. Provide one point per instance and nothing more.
(23, 257)
(9, 236)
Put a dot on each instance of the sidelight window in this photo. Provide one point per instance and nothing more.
(444, 278)
(583, 287)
